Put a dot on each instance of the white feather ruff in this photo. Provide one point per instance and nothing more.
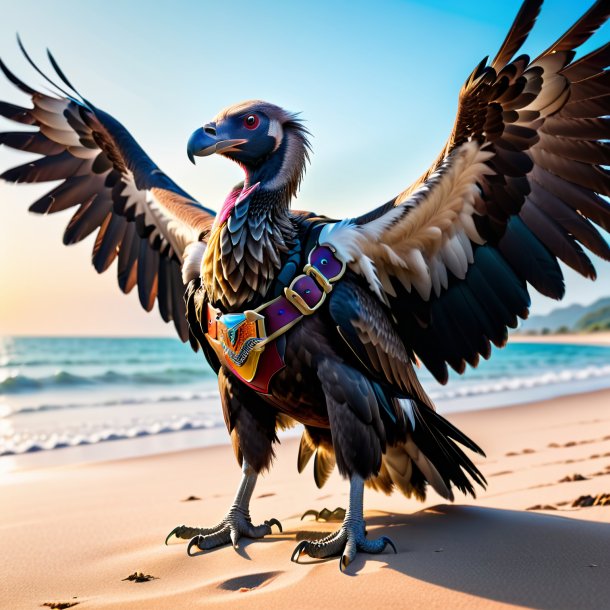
(193, 255)
(419, 245)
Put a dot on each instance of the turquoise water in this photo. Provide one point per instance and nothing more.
(78, 392)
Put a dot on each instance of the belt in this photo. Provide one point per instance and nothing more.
(247, 340)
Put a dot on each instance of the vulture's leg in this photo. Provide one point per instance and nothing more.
(358, 438)
(251, 422)
(236, 524)
(350, 538)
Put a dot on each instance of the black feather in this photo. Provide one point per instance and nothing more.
(74, 191)
(33, 142)
(556, 239)
(148, 265)
(46, 169)
(107, 242)
(128, 259)
(531, 259)
(88, 218)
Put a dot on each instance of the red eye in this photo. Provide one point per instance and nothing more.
(251, 121)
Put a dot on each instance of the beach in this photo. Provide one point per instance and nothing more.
(601, 338)
(73, 533)
(68, 400)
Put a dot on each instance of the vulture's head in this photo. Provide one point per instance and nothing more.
(268, 142)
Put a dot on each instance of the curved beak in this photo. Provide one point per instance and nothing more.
(205, 142)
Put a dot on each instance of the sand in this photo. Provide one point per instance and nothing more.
(601, 338)
(72, 534)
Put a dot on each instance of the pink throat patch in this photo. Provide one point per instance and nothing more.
(231, 201)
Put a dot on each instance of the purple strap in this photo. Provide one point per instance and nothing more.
(303, 297)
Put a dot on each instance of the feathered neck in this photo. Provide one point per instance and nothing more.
(254, 228)
(245, 252)
(281, 171)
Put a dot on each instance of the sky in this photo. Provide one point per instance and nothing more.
(376, 83)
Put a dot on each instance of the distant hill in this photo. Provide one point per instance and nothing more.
(572, 317)
(598, 319)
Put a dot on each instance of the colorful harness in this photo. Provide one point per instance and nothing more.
(245, 342)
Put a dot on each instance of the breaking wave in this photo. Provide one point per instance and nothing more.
(20, 383)
(31, 443)
(512, 384)
(195, 397)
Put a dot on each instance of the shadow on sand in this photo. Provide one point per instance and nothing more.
(521, 558)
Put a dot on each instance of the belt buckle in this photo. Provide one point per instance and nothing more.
(297, 300)
(317, 275)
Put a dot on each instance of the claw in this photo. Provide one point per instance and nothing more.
(184, 532)
(298, 550)
(234, 538)
(173, 532)
(388, 541)
(315, 513)
(271, 522)
(194, 542)
(346, 543)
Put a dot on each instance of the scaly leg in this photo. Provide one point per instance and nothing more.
(350, 538)
(236, 524)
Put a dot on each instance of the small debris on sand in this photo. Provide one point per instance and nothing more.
(542, 507)
(191, 499)
(59, 605)
(140, 577)
(598, 500)
(326, 515)
(574, 477)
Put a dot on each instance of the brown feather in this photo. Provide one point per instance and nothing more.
(583, 29)
(518, 33)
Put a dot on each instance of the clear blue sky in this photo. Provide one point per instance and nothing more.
(376, 82)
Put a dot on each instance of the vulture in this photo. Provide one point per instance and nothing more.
(323, 321)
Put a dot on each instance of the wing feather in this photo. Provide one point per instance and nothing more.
(142, 218)
(519, 185)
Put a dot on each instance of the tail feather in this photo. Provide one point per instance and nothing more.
(437, 439)
(427, 468)
(429, 452)
(324, 464)
(306, 450)
(383, 481)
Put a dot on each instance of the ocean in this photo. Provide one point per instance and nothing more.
(69, 400)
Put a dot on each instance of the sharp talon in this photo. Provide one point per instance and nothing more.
(388, 541)
(172, 533)
(297, 551)
(275, 522)
(315, 513)
(343, 562)
(194, 542)
(234, 538)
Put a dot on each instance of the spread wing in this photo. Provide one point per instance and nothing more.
(140, 216)
(518, 186)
